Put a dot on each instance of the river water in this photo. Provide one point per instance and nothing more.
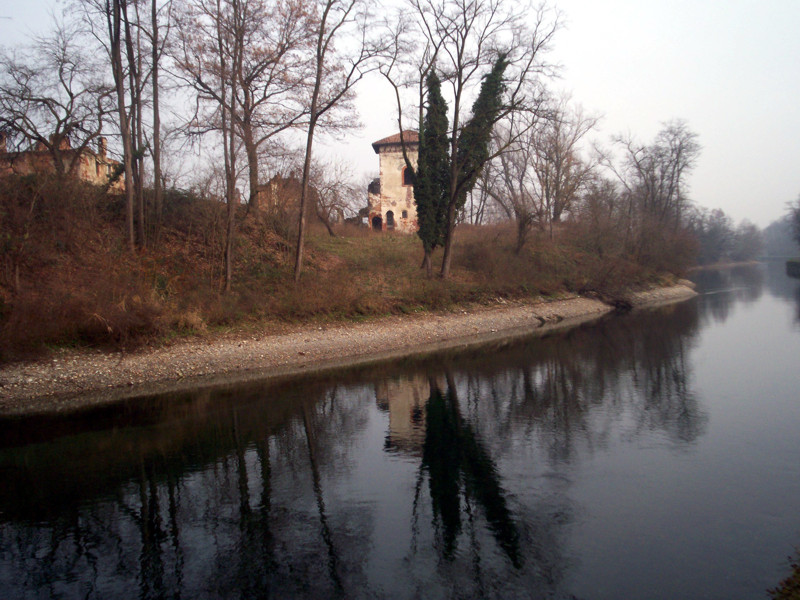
(648, 455)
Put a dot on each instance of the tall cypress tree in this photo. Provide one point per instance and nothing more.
(473, 143)
(472, 151)
(432, 177)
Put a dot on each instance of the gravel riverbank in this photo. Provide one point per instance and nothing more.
(70, 380)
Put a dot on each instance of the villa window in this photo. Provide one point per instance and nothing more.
(408, 176)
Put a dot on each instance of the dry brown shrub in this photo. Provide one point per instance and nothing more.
(190, 320)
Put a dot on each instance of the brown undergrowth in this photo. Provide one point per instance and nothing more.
(67, 277)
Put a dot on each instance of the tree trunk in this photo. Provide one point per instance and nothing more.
(427, 263)
(448, 239)
(326, 222)
(229, 236)
(115, 26)
(228, 142)
(301, 230)
(252, 165)
(156, 126)
(522, 234)
(312, 124)
(140, 203)
(453, 195)
(141, 232)
(58, 161)
(135, 124)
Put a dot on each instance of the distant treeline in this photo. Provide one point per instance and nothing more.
(720, 240)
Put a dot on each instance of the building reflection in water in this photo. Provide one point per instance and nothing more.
(404, 399)
(425, 421)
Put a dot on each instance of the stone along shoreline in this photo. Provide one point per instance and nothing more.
(72, 380)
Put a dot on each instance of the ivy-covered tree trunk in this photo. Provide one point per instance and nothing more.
(473, 150)
(432, 177)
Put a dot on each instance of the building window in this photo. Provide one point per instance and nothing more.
(405, 214)
(390, 220)
(408, 176)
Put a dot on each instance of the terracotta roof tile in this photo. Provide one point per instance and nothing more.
(409, 135)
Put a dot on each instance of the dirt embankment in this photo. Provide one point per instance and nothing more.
(71, 380)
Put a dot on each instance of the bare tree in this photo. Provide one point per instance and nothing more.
(134, 39)
(655, 189)
(602, 215)
(247, 62)
(655, 174)
(406, 64)
(556, 159)
(344, 52)
(537, 172)
(112, 12)
(272, 77)
(748, 242)
(131, 23)
(715, 234)
(112, 26)
(509, 179)
(157, 45)
(53, 96)
(334, 192)
(212, 44)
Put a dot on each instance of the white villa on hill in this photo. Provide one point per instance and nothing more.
(391, 196)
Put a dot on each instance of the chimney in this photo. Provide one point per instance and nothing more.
(102, 146)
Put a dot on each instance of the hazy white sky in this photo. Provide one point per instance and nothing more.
(729, 68)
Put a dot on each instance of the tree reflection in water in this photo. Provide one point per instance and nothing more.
(206, 503)
(277, 490)
(571, 390)
(782, 286)
(724, 287)
(454, 458)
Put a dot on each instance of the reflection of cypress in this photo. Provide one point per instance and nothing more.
(441, 457)
(452, 450)
(484, 483)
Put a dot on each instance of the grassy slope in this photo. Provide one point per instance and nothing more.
(67, 277)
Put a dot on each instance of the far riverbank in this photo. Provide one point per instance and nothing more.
(73, 380)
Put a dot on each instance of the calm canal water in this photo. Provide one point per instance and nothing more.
(651, 455)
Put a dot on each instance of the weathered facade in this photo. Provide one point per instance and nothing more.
(282, 194)
(92, 166)
(391, 196)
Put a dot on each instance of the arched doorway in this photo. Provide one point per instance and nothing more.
(390, 220)
(377, 223)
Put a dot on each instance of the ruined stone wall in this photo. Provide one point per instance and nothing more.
(92, 167)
